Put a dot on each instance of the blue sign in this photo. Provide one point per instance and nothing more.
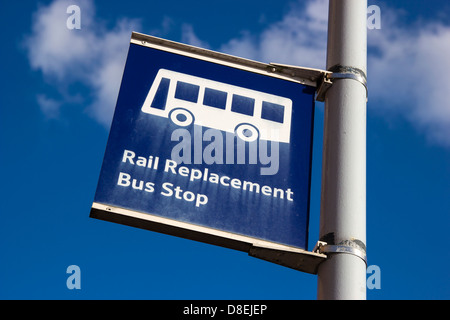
(208, 147)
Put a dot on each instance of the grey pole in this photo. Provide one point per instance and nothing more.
(343, 200)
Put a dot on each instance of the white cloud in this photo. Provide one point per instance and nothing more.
(108, 70)
(188, 36)
(406, 75)
(92, 56)
(299, 38)
(54, 49)
(49, 106)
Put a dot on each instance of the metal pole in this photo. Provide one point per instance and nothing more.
(343, 200)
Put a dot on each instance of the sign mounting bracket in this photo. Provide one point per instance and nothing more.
(323, 79)
(294, 258)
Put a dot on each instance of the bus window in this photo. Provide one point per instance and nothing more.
(187, 91)
(215, 98)
(160, 99)
(244, 105)
(272, 111)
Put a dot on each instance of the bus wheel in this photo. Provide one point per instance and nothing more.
(181, 117)
(247, 132)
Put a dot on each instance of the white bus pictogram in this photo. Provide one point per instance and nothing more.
(251, 114)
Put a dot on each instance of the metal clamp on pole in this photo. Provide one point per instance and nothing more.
(337, 73)
(324, 248)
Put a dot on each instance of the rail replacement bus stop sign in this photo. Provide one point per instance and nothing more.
(209, 147)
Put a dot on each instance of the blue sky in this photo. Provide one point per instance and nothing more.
(58, 92)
